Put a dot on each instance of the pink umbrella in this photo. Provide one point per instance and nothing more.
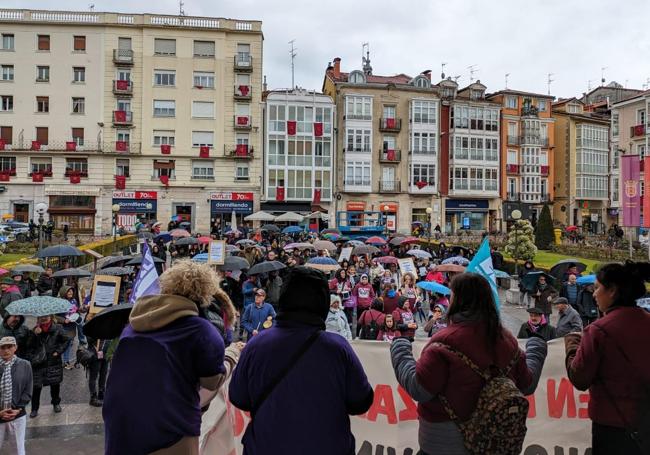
(204, 240)
(3, 271)
(386, 260)
(376, 240)
(177, 233)
(409, 240)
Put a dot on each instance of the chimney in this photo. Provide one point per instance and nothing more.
(427, 74)
(337, 67)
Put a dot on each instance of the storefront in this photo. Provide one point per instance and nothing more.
(76, 211)
(223, 204)
(389, 210)
(466, 214)
(135, 206)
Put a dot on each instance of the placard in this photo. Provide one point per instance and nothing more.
(390, 222)
(217, 252)
(406, 265)
(105, 293)
(346, 253)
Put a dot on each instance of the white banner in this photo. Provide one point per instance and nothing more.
(557, 420)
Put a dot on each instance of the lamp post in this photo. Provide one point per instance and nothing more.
(429, 211)
(516, 215)
(115, 209)
(41, 208)
(386, 208)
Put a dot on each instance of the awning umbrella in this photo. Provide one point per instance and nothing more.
(324, 264)
(450, 268)
(375, 240)
(292, 230)
(204, 240)
(138, 260)
(71, 272)
(501, 274)
(585, 280)
(59, 251)
(460, 260)
(25, 268)
(164, 236)
(187, 241)
(108, 323)
(266, 267)
(260, 216)
(41, 305)
(201, 257)
(112, 261)
(432, 286)
(559, 269)
(270, 228)
(531, 278)
(246, 242)
(144, 235)
(419, 254)
(232, 263)
(299, 246)
(324, 245)
(396, 241)
(176, 233)
(386, 260)
(289, 217)
(115, 271)
(365, 249)
(318, 216)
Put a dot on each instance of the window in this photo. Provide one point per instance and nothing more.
(615, 189)
(164, 167)
(7, 72)
(277, 118)
(164, 138)
(511, 102)
(203, 48)
(123, 136)
(491, 179)
(124, 43)
(460, 117)
(164, 78)
(42, 74)
(202, 109)
(423, 173)
(243, 139)
(78, 136)
(424, 112)
(512, 187)
(357, 173)
(322, 152)
(164, 46)
(7, 103)
(242, 79)
(41, 166)
(241, 173)
(640, 150)
(458, 178)
(299, 184)
(79, 44)
(389, 143)
(76, 165)
(358, 141)
(79, 74)
(324, 115)
(573, 109)
(299, 152)
(8, 163)
(389, 111)
(640, 117)
(203, 79)
(615, 124)
(304, 117)
(512, 157)
(276, 179)
(541, 105)
(475, 179)
(203, 169)
(7, 41)
(164, 108)
(243, 54)
(201, 138)
(491, 150)
(6, 134)
(78, 105)
(122, 167)
(422, 82)
(357, 77)
(42, 135)
(322, 180)
(43, 104)
(277, 150)
(358, 107)
(43, 42)
(123, 74)
(423, 143)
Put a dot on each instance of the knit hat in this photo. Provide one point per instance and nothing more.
(402, 300)
(365, 275)
(7, 281)
(305, 290)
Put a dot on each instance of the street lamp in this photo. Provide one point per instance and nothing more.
(516, 215)
(115, 209)
(386, 208)
(41, 208)
(429, 211)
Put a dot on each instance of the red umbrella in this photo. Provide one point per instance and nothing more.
(386, 260)
(179, 233)
(409, 240)
(376, 240)
(571, 228)
(204, 240)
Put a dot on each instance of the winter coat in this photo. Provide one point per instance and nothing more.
(45, 284)
(273, 286)
(568, 322)
(372, 315)
(594, 361)
(570, 292)
(248, 291)
(402, 318)
(365, 294)
(336, 322)
(21, 333)
(254, 317)
(546, 332)
(388, 334)
(586, 305)
(545, 298)
(10, 295)
(50, 371)
(21, 387)
(25, 288)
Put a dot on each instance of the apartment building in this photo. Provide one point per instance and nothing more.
(159, 115)
(388, 131)
(581, 171)
(527, 142)
(469, 158)
(299, 149)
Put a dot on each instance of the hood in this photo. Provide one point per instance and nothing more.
(224, 303)
(21, 321)
(156, 311)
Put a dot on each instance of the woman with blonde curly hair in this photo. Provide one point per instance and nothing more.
(167, 351)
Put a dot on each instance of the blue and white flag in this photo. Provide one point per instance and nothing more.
(482, 265)
(147, 282)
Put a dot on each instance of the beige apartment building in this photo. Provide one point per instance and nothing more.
(160, 115)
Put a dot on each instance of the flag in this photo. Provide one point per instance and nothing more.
(318, 129)
(482, 265)
(646, 198)
(291, 127)
(147, 282)
(630, 197)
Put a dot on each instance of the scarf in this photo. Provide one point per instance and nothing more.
(6, 384)
(535, 328)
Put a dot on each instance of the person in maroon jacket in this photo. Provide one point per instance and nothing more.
(404, 318)
(364, 293)
(610, 359)
(475, 330)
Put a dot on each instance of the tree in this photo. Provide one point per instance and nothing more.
(544, 230)
(520, 241)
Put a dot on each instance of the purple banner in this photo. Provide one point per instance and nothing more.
(630, 200)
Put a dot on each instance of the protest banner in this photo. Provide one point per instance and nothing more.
(346, 253)
(217, 252)
(557, 419)
(406, 265)
(105, 292)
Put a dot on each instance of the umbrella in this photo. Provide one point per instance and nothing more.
(330, 231)
(234, 263)
(157, 223)
(232, 249)
(292, 230)
(501, 274)
(204, 240)
(289, 217)
(330, 236)
(108, 323)
(59, 251)
(260, 216)
(457, 249)
(365, 249)
(361, 238)
(355, 243)
(342, 238)
(396, 241)
(245, 242)
(299, 246)
(324, 245)
(115, 260)
(450, 268)
(323, 264)
(38, 306)
(270, 228)
(432, 286)
(530, 279)
(144, 235)
(115, 271)
(387, 260)
(376, 240)
(460, 260)
(164, 236)
(265, 267)
(187, 241)
(185, 224)
(408, 240)
(559, 269)
(585, 280)
(179, 233)
(571, 228)
(419, 254)
(138, 260)
(201, 257)
(29, 268)
(3, 271)
(71, 272)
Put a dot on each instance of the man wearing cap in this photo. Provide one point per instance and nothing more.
(300, 383)
(15, 394)
(537, 325)
(10, 293)
(569, 319)
(258, 316)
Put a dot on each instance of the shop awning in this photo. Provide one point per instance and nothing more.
(72, 190)
(289, 217)
(260, 216)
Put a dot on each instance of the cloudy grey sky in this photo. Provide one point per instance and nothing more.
(526, 38)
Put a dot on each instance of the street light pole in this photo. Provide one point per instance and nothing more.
(115, 209)
(386, 219)
(516, 215)
(41, 207)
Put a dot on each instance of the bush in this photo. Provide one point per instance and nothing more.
(520, 241)
(544, 230)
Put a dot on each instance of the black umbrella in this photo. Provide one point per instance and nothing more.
(559, 269)
(138, 260)
(265, 267)
(71, 272)
(187, 241)
(59, 251)
(456, 249)
(113, 261)
(270, 228)
(234, 263)
(109, 323)
(28, 268)
(529, 281)
(115, 271)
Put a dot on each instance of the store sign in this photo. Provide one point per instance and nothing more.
(467, 204)
(353, 206)
(135, 195)
(390, 222)
(137, 205)
(242, 207)
(231, 196)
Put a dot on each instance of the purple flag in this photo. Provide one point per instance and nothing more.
(630, 201)
(146, 283)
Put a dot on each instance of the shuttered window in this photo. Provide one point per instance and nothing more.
(163, 164)
(202, 109)
(204, 48)
(164, 46)
(124, 44)
(164, 108)
(79, 43)
(6, 134)
(200, 138)
(43, 42)
(42, 134)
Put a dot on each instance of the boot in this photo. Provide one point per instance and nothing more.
(95, 402)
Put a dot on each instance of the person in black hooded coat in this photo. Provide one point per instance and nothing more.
(14, 326)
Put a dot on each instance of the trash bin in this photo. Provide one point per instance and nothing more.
(558, 236)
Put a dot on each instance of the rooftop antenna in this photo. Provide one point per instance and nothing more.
(549, 81)
(472, 69)
(602, 75)
(455, 78)
(589, 85)
(181, 4)
(91, 7)
(365, 60)
(442, 73)
(507, 74)
(626, 81)
(292, 53)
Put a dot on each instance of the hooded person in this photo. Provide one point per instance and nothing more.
(437, 320)
(172, 351)
(364, 294)
(14, 326)
(336, 321)
(10, 293)
(281, 368)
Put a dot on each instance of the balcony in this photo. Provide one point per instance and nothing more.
(513, 197)
(122, 87)
(122, 118)
(70, 171)
(513, 140)
(637, 130)
(512, 169)
(365, 149)
(357, 185)
(529, 111)
(390, 186)
(243, 62)
(243, 92)
(531, 138)
(390, 125)
(390, 156)
(238, 152)
(242, 122)
(123, 57)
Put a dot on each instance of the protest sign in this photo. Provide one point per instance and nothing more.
(406, 265)
(105, 292)
(217, 252)
(345, 254)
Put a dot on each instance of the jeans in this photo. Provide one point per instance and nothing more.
(606, 440)
(55, 393)
(524, 298)
(67, 354)
(97, 370)
(14, 430)
(80, 334)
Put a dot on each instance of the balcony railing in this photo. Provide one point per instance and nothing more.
(123, 56)
(122, 118)
(69, 147)
(512, 169)
(390, 125)
(242, 122)
(357, 117)
(356, 181)
(638, 130)
(243, 92)
(390, 156)
(513, 140)
(243, 62)
(513, 197)
(390, 186)
(122, 87)
(530, 139)
(70, 171)
(238, 152)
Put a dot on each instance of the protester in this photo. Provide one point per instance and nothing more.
(388, 332)
(248, 290)
(69, 324)
(273, 286)
(45, 282)
(610, 359)
(586, 305)
(524, 294)
(437, 320)
(409, 290)
(376, 272)
(23, 287)
(537, 325)
(434, 275)
(313, 377)
(571, 270)
(336, 322)
(543, 294)
(15, 394)
(371, 320)
(404, 319)
(390, 298)
(97, 370)
(10, 293)
(14, 326)
(570, 291)
(342, 287)
(364, 294)
(475, 330)
(569, 319)
(259, 316)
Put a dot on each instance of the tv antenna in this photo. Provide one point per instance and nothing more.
(181, 4)
(455, 78)
(442, 73)
(602, 75)
(365, 60)
(507, 74)
(549, 80)
(91, 7)
(472, 70)
(589, 85)
(293, 53)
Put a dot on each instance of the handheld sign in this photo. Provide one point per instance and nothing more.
(217, 252)
(346, 253)
(406, 265)
(105, 293)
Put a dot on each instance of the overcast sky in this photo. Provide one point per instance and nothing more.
(526, 38)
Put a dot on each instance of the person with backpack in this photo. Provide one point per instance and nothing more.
(487, 415)
(371, 320)
(609, 358)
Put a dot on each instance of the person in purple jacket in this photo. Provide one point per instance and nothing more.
(300, 383)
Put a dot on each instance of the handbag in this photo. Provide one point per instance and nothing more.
(39, 356)
(84, 356)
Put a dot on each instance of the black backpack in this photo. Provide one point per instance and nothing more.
(370, 331)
